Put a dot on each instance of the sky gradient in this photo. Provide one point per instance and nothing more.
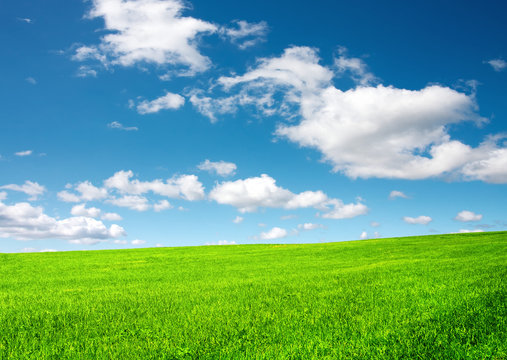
(168, 123)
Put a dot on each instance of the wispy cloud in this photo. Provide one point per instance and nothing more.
(24, 153)
(221, 168)
(497, 64)
(120, 126)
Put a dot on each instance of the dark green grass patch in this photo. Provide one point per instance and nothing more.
(431, 297)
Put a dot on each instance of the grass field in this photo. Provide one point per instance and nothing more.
(431, 297)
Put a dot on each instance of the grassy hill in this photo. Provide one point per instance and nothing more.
(441, 297)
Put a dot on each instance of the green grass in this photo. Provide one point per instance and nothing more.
(430, 297)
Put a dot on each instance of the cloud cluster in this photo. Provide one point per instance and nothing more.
(247, 195)
(147, 31)
(22, 221)
(124, 191)
(368, 130)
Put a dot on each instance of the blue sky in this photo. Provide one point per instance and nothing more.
(168, 123)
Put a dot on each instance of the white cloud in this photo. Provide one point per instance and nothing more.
(221, 168)
(31, 250)
(90, 192)
(24, 153)
(185, 186)
(345, 211)
(497, 64)
(86, 71)
(26, 20)
(466, 216)
(138, 242)
(31, 80)
(274, 233)
(246, 34)
(423, 220)
(133, 202)
(374, 224)
(222, 242)
(249, 194)
(111, 217)
(68, 197)
(147, 31)
(167, 101)
(356, 67)
(395, 194)
(119, 126)
(364, 235)
(365, 131)
(162, 205)
(288, 217)
(22, 221)
(3, 195)
(33, 189)
(464, 231)
(120, 242)
(81, 210)
(238, 219)
(310, 226)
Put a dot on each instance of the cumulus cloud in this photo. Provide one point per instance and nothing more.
(33, 189)
(466, 216)
(340, 210)
(220, 168)
(397, 194)
(364, 235)
(81, 210)
(497, 64)
(368, 130)
(120, 126)
(245, 34)
(274, 233)
(423, 220)
(247, 195)
(147, 31)
(22, 221)
(187, 187)
(165, 102)
(24, 153)
(238, 220)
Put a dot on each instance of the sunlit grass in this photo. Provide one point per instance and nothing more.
(441, 297)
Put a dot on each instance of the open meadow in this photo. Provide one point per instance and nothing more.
(428, 297)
